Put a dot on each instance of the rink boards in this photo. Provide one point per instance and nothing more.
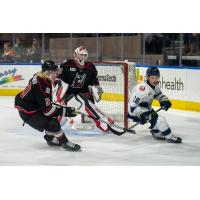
(180, 84)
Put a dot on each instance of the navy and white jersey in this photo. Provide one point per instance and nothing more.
(142, 97)
(37, 96)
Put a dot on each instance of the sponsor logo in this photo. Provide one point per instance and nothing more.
(176, 84)
(107, 78)
(9, 76)
(8, 72)
(139, 77)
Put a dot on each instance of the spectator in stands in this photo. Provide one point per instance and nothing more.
(19, 50)
(154, 43)
(8, 55)
(191, 43)
(34, 53)
(188, 43)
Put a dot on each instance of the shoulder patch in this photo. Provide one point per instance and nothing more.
(72, 69)
(142, 88)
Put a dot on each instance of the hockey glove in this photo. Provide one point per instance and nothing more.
(165, 105)
(69, 112)
(144, 117)
(97, 92)
(147, 116)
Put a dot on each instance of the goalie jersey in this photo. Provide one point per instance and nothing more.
(36, 97)
(142, 97)
(78, 79)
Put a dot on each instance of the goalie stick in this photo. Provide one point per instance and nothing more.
(110, 125)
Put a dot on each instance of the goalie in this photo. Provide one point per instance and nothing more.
(140, 106)
(78, 76)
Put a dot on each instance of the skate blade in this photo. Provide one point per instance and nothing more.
(73, 150)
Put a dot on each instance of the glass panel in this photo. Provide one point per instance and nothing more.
(110, 46)
(191, 51)
(172, 49)
(161, 47)
(148, 48)
(133, 47)
(88, 40)
(20, 48)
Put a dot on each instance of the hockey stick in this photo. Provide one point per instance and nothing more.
(153, 113)
(110, 125)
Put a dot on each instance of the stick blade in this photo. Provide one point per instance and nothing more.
(131, 131)
(116, 132)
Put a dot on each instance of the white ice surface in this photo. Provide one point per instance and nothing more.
(22, 145)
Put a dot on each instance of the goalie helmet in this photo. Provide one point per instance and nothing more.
(153, 71)
(80, 55)
(49, 66)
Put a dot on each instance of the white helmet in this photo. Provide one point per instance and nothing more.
(80, 55)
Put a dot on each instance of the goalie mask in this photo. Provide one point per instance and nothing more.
(80, 55)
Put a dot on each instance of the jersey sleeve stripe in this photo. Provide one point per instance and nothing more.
(52, 111)
(25, 111)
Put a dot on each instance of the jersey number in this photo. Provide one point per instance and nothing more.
(25, 92)
(136, 100)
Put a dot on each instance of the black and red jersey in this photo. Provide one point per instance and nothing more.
(37, 96)
(79, 79)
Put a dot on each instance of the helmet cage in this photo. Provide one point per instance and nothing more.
(80, 55)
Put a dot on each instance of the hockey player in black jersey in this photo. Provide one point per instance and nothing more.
(81, 77)
(35, 107)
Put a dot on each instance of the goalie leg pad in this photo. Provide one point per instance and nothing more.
(81, 103)
(90, 109)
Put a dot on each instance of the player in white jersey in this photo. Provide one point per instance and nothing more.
(140, 106)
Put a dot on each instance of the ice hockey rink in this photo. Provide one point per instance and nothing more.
(22, 145)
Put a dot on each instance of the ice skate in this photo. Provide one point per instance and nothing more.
(157, 135)
(173, 139)
(71, 146)
(51, 140)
